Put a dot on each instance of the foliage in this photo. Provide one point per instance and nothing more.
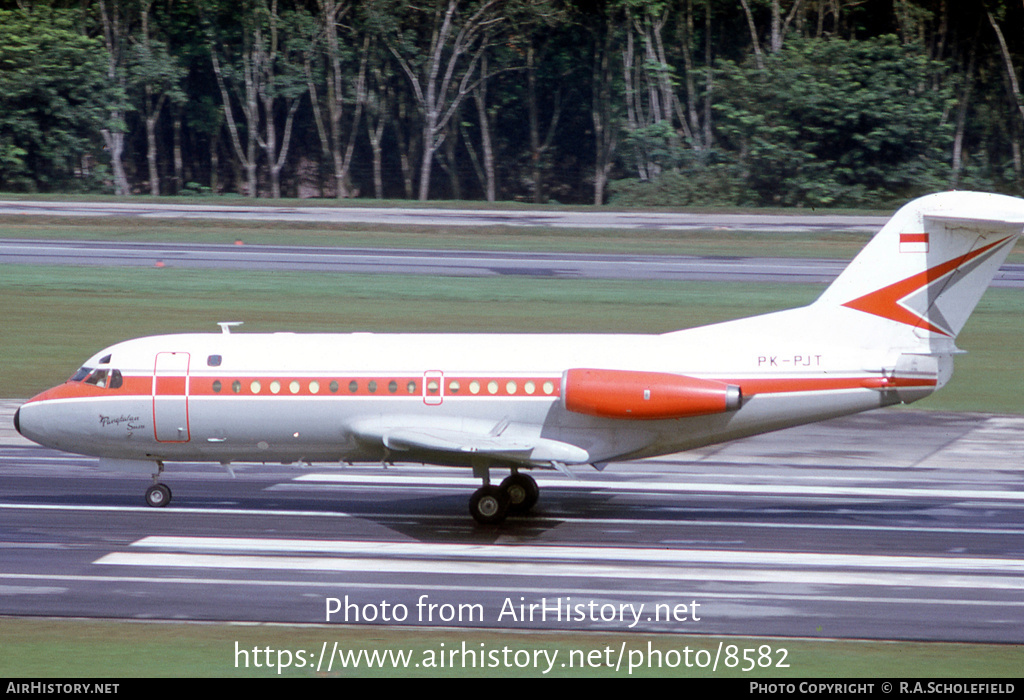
(834, 121)
(780, 102)
(54, 97)
(709, 181)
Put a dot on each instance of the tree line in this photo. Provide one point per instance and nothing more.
(655, 102)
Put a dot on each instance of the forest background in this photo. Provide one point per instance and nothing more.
(808, 103)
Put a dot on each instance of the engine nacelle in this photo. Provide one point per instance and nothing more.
(612, 393)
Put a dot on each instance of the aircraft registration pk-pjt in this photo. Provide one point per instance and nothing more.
(882, 333)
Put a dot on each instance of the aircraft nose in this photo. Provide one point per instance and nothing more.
(17, 421)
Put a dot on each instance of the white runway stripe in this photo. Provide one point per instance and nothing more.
(521, 553)
(574, 562)
(675, 487)
(574, 571)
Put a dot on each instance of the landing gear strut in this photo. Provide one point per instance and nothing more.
(489, 505)
(158, 495)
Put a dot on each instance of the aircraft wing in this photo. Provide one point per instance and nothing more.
(456, 441)
(434, 442)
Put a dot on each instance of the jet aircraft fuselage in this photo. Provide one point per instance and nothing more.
(882, 333)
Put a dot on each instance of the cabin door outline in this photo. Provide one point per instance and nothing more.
(170, 397)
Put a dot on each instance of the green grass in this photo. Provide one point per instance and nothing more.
(110, 649)
(54, 318)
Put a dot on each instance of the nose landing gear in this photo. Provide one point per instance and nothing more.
(158, 495)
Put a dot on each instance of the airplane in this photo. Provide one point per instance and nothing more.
(882, 333)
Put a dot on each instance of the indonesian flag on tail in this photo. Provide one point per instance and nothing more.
(913, 242)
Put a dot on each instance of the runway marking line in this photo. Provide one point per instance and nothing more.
(652, 564)
(670, 487)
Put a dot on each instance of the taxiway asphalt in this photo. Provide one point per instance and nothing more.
(895, 524)
(439, 262)
(448, 217)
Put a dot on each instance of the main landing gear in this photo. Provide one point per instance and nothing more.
(517, 494)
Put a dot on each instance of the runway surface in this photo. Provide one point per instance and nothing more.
(895, 524)
(439, 262)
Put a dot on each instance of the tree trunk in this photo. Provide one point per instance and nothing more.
(246, 156)
(531, 110)
(601, 111)
(154, 172)
(961, 120)
(480, 97)
(758, 56)
(178, 162)
(709, 81)
(427, 161)
(407, 146)
(453, 40)
(114, 138)
(114, 141)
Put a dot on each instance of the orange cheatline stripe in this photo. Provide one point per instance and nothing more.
(142, 386)
(784, 385)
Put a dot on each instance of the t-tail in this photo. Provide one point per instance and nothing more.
(912, 288)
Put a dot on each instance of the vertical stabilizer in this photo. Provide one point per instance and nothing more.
(918, 280)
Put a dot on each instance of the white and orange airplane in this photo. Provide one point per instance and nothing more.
(883, 333)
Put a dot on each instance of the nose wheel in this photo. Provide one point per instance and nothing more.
(517, 494)
(158, 495)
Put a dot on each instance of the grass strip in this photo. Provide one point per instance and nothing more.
(115, 649)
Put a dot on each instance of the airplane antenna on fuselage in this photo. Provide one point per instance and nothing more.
(225, 326)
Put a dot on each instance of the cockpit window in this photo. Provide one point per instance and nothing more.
(108, 378)
(99, 378)
(105, 360)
